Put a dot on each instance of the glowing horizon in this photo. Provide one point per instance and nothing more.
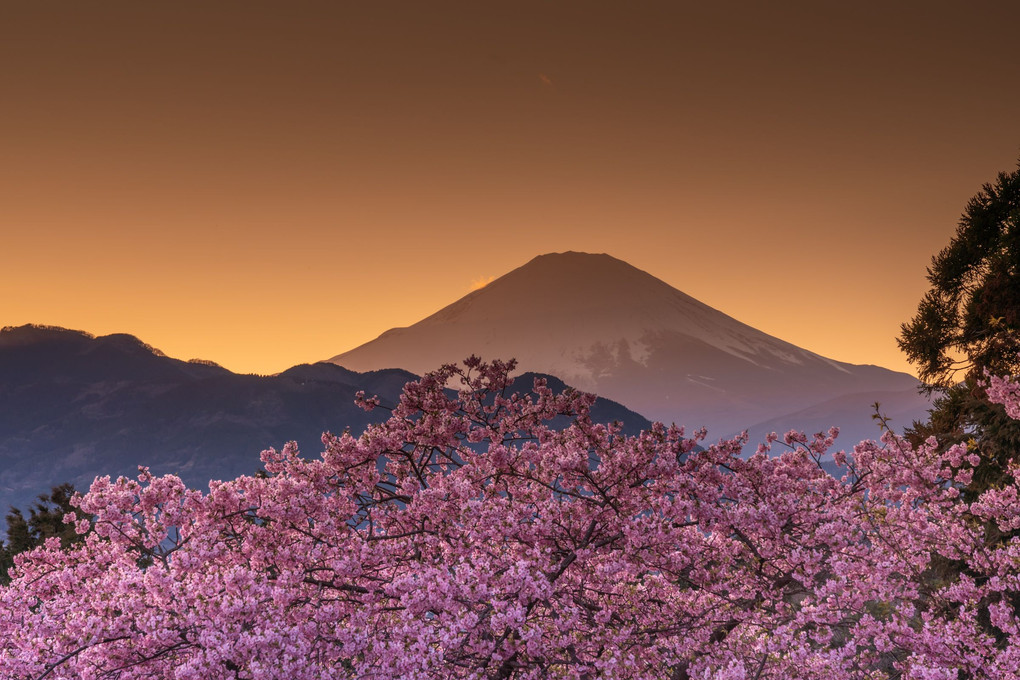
(475, 285)
(268, 187)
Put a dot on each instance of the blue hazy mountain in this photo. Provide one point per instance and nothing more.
(74, 406)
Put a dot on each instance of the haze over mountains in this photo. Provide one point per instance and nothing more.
(74, 406)
(605, 326)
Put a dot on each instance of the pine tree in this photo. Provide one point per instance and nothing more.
(969, 322)
(45, 520)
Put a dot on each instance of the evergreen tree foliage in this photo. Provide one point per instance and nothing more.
(969, 323)
(45, 520)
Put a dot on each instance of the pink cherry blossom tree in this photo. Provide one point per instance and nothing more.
(467, 538)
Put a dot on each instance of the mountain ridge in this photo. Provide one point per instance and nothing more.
(74, 406)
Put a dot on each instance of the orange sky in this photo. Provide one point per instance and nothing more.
(267, 183)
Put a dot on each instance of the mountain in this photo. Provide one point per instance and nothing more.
(605, 326)
(74, 406)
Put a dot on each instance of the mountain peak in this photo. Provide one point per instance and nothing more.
(576, 256)
(575, 262)
(605, 326)
(553, 287)
(559, 269)
(40, 334)
(581, 304)
(30, 334)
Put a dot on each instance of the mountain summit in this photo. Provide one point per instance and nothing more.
(605, 326)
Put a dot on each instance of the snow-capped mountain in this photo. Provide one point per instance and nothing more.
(605, 326)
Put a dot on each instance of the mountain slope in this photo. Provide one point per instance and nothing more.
(74, 406)
(605, 326)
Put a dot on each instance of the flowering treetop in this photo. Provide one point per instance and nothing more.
(466, 538)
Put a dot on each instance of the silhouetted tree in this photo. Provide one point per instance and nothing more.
(45, 520)
(969, 322)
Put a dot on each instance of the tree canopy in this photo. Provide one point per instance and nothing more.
(465, 538)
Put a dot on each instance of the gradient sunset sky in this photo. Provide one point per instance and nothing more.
(268, 183)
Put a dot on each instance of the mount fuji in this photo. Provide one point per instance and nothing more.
(604, 326)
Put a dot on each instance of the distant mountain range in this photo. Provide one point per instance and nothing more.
(74, 406)
(605, 326)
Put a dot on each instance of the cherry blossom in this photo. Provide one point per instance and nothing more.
(469, 537)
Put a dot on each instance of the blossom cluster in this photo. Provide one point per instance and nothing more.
(1005, 391)
(466, 537)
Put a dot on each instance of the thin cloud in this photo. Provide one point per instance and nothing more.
(546, 80)
(482, 282)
